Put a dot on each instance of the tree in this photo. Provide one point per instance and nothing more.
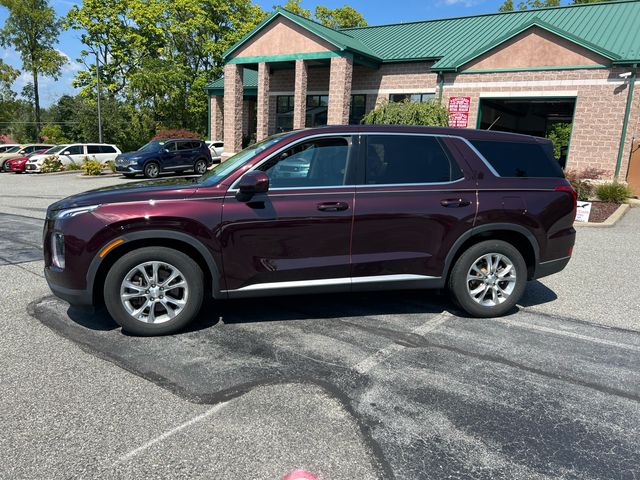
(507, 6)
(32, 29)
(343, 17)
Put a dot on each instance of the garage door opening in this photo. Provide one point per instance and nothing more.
(543, 117)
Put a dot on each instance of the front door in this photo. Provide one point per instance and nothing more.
(297, 235)
(412, 202)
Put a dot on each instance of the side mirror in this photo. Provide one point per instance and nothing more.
(253, 182)
(66, 152)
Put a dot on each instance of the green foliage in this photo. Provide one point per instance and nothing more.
(73, 166)
(111, 165)
(407, 113)
(507, 6)
(559, 134)
(51, 164)
(91, 166)
(32, 28)
(581, 181)
(341, 17)
(613, 192)
(53, 133)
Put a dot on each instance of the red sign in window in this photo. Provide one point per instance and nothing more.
(459, 111)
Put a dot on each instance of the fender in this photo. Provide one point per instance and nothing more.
(162, 234)
(486, 228)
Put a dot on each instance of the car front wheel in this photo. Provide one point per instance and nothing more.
(488, 279)
(200, 167)
(151, 170)
(154, 291)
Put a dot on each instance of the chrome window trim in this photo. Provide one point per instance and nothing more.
(232, 189)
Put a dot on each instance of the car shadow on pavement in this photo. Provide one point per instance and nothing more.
(319, 307)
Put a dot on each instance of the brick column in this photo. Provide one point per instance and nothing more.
(262, 104)
(340, 90)
(300, 95)
(217, 132)
(233, 93)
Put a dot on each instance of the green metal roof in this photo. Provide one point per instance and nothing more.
(249, 80)
(611, 29)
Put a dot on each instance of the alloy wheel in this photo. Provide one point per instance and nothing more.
(154, 292)
(491, 279)
(200, 167)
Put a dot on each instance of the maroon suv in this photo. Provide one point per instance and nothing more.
(332, 209)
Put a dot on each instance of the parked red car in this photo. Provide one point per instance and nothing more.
(376, 207)
(17, 165)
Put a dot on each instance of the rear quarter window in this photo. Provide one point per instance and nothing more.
(518, 159)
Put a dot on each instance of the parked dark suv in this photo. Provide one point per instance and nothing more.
(175, 155)
(377, 208)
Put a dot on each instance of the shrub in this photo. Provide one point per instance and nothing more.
(73, 166)
(175, 133)
(111, 165)
(613, 192)
(408, 113)
(581, 181)
(91, 166)
(51, 164)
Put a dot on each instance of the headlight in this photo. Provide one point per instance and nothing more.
(134, 160)
(72, 212)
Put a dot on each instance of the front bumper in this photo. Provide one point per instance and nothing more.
(31, 168)
(128, 168)
(74, 297)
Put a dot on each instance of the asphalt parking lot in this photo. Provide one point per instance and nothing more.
(385, 385)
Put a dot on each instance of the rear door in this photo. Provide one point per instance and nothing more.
(297, 235)
(414, 199)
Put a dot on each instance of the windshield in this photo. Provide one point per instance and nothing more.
(224, 169)
(152, 146)
(13, 150)
(57, 149)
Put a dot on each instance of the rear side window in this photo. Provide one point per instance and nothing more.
(393, 159)
(93, 149)
(107, 149)
(517, 159)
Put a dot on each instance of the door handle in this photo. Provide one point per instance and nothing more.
(332, 206)
(455, 202)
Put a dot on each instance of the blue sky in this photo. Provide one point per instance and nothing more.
(375, 12)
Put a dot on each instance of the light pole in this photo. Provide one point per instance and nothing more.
(98, 87)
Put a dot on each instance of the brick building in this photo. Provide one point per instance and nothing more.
(523, 71)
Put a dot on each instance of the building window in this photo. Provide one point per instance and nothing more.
(317, 107)
(284, 113)
(358, 109)
(412, 97)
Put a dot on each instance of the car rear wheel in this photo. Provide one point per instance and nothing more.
(151, 170)
(154, 291)
(488, 279)
(200, 166)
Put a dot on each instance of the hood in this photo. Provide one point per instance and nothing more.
(163, 189)
(137, 153)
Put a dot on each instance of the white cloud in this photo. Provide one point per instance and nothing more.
(463, 3)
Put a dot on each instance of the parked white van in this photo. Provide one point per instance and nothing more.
(74, 153)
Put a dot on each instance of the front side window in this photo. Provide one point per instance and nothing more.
(412, 97)
(75, 150)
(316, 163)
(402, 159)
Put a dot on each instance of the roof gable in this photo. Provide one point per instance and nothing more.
(536, 44)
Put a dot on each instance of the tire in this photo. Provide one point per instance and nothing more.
(200, 167)
(149, 314)
(128, 175)
(496, 297)
(151, 170)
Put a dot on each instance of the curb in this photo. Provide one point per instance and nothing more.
(609, 222)
(64, 172)
(102, 175)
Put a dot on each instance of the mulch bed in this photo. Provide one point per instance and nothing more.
(600, 211)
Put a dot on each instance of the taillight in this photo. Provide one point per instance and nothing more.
(574, 195)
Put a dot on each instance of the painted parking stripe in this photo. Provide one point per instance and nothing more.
(168, 434)
(381, 355)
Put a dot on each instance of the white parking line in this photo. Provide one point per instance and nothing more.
(565, 333)
(171, 432)
(381, 355)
